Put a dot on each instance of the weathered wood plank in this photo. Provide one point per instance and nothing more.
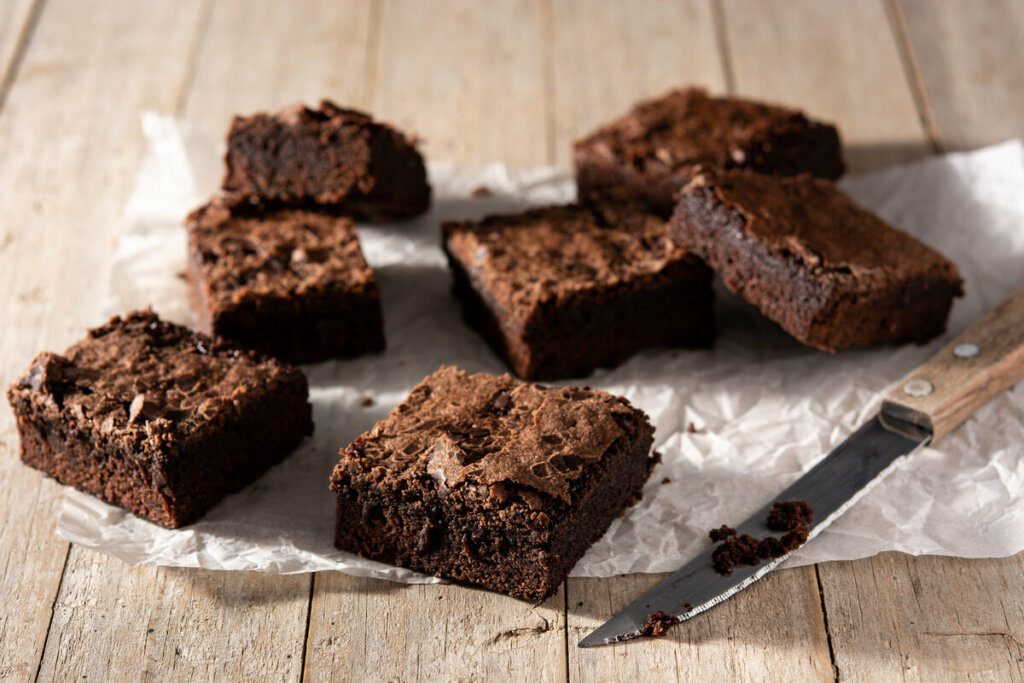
(608, 55)
(364, 627)
(67, 173)
(262, 56)
(771, 631)
(970, 58)
(926, 619)
(473, 86)
(71, 143)
(839, 62)
(198, 624)
(619, 53)
(934, 618)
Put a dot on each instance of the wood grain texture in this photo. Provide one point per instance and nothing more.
(71, 143)
(963, 384)
(771, 631)
(607, 55)
(970, 57)
(294, 59)
(898, 617)
(363, 628)
(838, 62)
(472, 85)
(122, 623)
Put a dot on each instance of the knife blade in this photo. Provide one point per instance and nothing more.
(967, 373)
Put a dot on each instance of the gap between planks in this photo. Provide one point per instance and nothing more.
(912, 71)
(25, 34)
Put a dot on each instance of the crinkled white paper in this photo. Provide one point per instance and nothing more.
(735, 424)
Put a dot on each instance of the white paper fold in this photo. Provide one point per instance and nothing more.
(735, 424)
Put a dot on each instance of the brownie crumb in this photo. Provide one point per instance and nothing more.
(481, 191)
(366, 401)
(692, 428)
(792, 516)
(789, 515)
(687, 606)
(666, 480)
(658, 623)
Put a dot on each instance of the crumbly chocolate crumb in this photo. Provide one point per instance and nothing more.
(666, 480)
(789, 515)
(658, 623)
(692, 428)
(481, 191)
(792, 516)
(366, 401)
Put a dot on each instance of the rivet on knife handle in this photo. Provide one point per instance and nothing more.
(967, 373)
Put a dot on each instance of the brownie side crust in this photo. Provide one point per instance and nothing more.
(290, 283)
(156, 419)
(650, 153)
(831, 273)
(331, 157)
(560, 291)
(483, 480)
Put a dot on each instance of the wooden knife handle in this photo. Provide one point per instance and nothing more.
(984, 361)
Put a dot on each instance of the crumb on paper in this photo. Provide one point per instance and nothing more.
(694, 429)
(666, 480)
(366, 401)
(481, 191)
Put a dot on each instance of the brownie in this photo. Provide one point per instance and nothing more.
(156, 419)
(484, 480)
(831, 273)
(331, 157)
(559, 291)
(651, 152)
(291, 283)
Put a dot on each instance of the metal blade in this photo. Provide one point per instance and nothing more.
(830, 488)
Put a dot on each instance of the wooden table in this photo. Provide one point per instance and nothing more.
(480, 81)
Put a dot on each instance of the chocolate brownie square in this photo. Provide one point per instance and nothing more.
(651, 152)
(331, 157)
(156, 419)
(560, 291)
(831, 273)
(484, 480)
(287, 282)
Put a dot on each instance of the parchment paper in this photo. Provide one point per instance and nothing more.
(735, 424)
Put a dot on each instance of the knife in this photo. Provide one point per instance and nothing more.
(927, 404)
